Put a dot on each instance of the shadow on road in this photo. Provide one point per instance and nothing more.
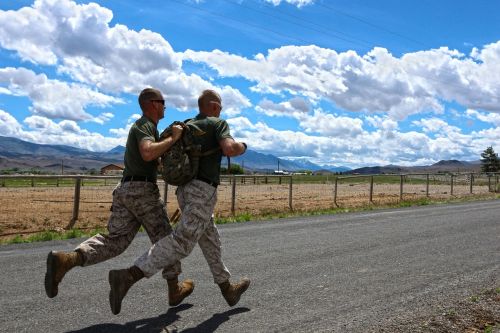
(160, 324)
(217, 319)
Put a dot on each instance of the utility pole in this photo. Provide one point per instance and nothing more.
(62, 167)
(278, 164)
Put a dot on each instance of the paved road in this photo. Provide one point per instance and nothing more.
(341, 273)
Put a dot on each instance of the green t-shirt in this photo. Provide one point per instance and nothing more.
(214, 130)
(142, 129)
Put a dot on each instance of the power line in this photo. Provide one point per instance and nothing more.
(241, 22)
(348, 38)
(372, 24)
(453, 84)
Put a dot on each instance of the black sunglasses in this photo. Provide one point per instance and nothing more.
(158, 101)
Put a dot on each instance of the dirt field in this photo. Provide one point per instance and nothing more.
(31, 209)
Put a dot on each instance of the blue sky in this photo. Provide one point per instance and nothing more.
(353, 83)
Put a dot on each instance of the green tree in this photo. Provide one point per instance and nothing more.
(236, 169)
(489, 160)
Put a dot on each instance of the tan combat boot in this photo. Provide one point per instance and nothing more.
(177, 292)
(233, 291)
(120, 281)
(58, 264)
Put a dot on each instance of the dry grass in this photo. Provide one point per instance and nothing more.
(33, 209)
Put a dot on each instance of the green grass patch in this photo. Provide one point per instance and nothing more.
(52, 235)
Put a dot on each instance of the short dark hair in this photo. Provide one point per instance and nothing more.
(208, 95)
(147, 95)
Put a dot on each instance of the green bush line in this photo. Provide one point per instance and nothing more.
(243, 217)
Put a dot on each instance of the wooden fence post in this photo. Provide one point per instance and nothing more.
(233, 195)
(371, 189)
(489, 183)
(76, 204)
(451, 184)
(471, 182)
(427, 186)
(335, 192)
(290, 194)
(165, 194)
(401, 188)
(32, 181)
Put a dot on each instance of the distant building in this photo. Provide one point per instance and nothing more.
(112, 169)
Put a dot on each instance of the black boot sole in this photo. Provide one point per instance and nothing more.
(114, 301)
(51, 287)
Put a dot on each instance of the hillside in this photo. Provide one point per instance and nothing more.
(15, 153)
(441, 166)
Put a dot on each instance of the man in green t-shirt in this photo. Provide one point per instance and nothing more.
(197, 200)
(136, 203)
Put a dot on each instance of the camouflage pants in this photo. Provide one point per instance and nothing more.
(134, 204)
(197, 201)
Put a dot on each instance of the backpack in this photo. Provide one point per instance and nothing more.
(181, 162)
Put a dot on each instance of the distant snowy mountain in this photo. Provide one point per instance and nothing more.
(305, 164)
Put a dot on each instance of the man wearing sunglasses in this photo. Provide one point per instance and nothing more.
(136, 203)
(197, 200)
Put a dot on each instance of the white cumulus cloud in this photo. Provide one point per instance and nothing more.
(417, 82)
(54, 98)
(298, 3)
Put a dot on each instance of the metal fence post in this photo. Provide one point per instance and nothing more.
(76, 203)
(233, 194)
(335, 192)
(427, 186)
(371, 189)
(290, 193)
(401, 187)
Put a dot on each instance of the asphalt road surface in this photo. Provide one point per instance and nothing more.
(339, 273)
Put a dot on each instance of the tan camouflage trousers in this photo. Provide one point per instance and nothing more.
(135, 204)
(197, 201)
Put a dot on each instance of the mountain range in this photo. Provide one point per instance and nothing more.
(23, 155)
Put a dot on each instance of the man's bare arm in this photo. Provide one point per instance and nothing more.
(232, 148)
(152, 150)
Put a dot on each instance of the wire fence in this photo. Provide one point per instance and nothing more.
(37, 203)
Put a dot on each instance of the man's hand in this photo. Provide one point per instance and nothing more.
(176, 132)
(150, 150)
